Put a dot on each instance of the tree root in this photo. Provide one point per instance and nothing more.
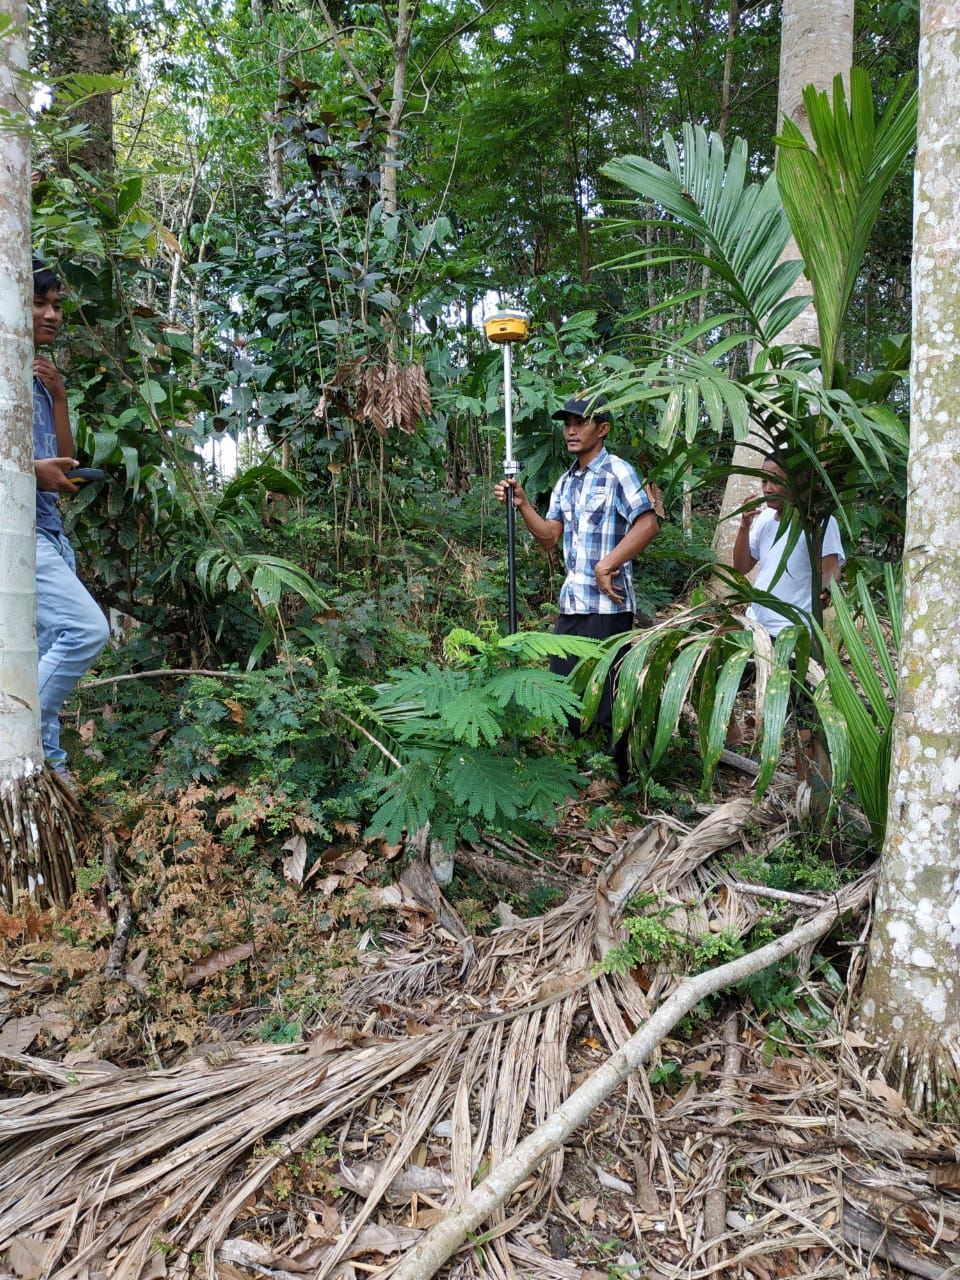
(450, 1233)
(40, 827)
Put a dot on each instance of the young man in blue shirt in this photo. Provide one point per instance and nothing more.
(71, 628)
(600, 510)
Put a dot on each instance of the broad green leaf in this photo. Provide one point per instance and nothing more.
(776, 704)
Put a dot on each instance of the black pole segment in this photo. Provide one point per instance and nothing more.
(511, 564)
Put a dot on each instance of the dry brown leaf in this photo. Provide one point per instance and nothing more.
(947, 1175)
(216, 962)
(156, 1267)
(415, 1179)
(250, 1253)
(883, 1092)
(702, 1066)
(327, 1039)
(293, 867)
(655, 494)
(17, 1034)
(329, 884)
(587, 1210)
(426, 1218)
(383, 1239)
(353, 863)
(325, 1229)
(25, 1255)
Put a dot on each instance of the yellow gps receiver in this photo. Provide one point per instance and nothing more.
(507, 326)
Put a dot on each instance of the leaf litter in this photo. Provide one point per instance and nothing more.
(745, 1150)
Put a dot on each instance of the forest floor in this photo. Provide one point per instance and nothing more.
(293, 1076)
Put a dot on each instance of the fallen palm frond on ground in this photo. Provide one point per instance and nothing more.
(459, 1048)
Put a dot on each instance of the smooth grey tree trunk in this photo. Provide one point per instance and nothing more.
(20, 748)
(911, 999)
(816, 44)
(37, 812)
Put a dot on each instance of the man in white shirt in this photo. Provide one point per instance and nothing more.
(759, 542)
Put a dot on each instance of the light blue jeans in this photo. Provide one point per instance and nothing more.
(71, 631)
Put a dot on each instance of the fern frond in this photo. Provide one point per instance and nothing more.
(534, 646)
(427, 688)
(407, 804)
(547, 782)
(469, 717)
(540, 693)
(485, 784)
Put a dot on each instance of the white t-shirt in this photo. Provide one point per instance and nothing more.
(794, 586)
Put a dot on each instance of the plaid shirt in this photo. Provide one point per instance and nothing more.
(598, 505)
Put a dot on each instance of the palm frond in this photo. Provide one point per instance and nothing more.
(833, 189)
(740, 229)
(862, 690)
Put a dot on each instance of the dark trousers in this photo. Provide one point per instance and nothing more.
(596, 626)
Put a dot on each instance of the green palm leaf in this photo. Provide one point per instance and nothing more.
(724, 695)
(676, 691)
(861, 701)
(741, 227)
(833, 189)
(776, 704)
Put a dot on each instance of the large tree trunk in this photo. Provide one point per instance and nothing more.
(79, 40)
(911, 1001)
(36, 811)
(816, 44)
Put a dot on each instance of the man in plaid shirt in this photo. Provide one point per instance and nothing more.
(600, 509)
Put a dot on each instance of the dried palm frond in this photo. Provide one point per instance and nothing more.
(40, 826)
(391, 395)
(103, 1170)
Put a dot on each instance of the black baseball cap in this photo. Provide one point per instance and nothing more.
(594, 407)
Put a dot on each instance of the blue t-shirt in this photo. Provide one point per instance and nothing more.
(45, 446)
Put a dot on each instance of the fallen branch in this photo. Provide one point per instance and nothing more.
(715, 1203)
(161, 673)
(118, 947)
(450, 1233)
(877, 1241)
(777, 895)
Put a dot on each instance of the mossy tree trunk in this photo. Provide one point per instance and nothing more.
(37, 812)
(79, 41)
(911, 999)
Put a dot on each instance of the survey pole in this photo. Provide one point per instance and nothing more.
(505, 328)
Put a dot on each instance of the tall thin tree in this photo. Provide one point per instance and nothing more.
(37, 812)
(816, 44)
